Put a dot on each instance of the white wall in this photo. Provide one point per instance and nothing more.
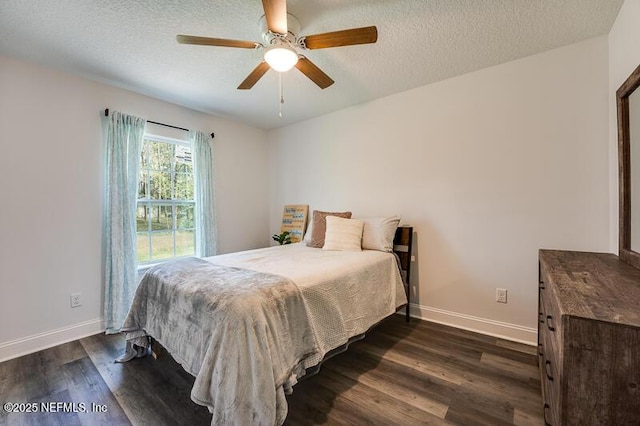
(624, 57)
(488, 167)
(51, 210)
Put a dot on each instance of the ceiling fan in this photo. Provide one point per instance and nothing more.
(280, 30)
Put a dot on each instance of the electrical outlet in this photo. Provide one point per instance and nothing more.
(76, 300)
(413, 258)
(501, 295)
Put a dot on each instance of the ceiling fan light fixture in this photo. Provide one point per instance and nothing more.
(281, 58)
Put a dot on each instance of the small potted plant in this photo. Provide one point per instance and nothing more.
(283, 238)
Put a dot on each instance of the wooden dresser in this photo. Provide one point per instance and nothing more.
(589, 339)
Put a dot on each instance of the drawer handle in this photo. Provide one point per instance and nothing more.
(540, 349)
(547, 367)
(541, 285)
(546, 408)
(549, 324)
(541, 316)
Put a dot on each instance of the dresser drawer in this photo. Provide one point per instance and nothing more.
(550, 376)
(549, 318)
(549, 392)
(549, 347)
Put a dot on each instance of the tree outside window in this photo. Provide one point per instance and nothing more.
(165, 211)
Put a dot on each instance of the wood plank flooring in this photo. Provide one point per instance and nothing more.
(400, 374)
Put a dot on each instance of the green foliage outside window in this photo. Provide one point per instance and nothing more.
(165, 215)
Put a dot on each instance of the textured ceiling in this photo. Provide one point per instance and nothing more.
(131, 44)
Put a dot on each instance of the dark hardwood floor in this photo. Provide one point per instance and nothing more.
(405, 374)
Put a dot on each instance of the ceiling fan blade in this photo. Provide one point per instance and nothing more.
(314, 73)
(276, 13)
(350, 37)
(255, 75)
(208, 41)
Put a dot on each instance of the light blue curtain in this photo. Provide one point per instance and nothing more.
(205, 215)
(123, 143)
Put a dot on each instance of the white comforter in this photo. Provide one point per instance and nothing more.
(310, 301)
(346, 292)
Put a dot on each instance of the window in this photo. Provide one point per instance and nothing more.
(165, 212)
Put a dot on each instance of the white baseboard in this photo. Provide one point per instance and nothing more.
(503, 330)
(48, 339)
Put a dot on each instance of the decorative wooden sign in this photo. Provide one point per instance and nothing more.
(294, 220)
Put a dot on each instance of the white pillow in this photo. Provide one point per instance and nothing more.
(343, 234)
(378, 233)
(307, 235)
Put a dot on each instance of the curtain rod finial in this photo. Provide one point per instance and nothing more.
(106, 112)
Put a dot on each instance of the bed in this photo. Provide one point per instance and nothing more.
(249, 325)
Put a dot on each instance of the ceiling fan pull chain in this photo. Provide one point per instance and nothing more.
(281, 95)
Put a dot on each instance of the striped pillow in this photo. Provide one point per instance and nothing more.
(379, 232)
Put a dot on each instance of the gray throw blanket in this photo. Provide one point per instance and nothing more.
(242, 334)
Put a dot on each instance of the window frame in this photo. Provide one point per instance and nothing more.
(173, 203)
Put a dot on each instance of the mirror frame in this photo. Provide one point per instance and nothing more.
(624, 169)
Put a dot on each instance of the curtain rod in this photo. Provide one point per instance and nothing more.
(106, 114)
